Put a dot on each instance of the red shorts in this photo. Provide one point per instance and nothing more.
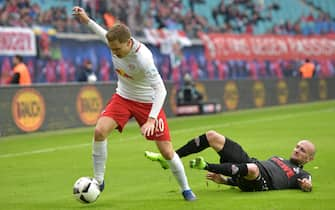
(121, 110)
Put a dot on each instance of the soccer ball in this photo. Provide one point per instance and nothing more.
(86, 190)
(92, 78)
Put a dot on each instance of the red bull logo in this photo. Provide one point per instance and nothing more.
(122, 73)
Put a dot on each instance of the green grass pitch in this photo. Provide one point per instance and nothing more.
(37, 171)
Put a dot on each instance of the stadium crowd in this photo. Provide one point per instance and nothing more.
(234, 16)
(223, 16)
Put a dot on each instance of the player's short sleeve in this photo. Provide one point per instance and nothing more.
(304, 174)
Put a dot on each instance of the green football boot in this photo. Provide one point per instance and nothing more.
(198, 163)
(157, 157)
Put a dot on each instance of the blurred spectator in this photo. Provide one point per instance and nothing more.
(307, 69)
(237, 16)
(86, 73)
(6, 71)
(21, 74)
(252, 69)
(287, 68)
(193, 2)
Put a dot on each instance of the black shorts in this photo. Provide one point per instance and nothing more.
(262, 183)
(233, 153)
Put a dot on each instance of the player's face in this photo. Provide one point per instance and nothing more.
(302, 153)
(120, 49)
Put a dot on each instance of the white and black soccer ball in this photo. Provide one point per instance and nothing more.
(86, 190)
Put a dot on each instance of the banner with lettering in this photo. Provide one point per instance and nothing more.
(267, 47)
(15, 40)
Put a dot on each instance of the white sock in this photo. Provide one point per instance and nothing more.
(99, 156)
(178, 171)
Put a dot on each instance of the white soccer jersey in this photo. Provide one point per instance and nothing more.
(138, 77)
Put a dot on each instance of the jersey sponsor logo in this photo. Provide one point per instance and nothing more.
(89, 105)
(28, 109)
(288, 170)
(122, 73)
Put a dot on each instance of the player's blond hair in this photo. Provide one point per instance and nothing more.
(119, 32)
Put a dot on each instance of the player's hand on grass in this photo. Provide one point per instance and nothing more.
(80, 14)
(305, 184)
(217, 178)
(148, 128)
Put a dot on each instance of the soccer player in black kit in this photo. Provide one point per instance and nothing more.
(236, 168)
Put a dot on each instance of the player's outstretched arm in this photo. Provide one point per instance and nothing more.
(80, 14)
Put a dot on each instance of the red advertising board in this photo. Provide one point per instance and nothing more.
(15, 40)
(246, 47)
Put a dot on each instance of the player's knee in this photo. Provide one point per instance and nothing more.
(214, 138)
(211, 135)
(167, 154)
(99, 134)
(166, 149)
(253, 171)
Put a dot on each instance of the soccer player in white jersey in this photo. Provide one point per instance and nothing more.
(140, 93)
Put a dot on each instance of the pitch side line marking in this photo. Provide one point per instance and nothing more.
(264, 119)
(43, 150)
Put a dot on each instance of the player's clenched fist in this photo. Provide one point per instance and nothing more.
(80, 13)
(305, 185)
